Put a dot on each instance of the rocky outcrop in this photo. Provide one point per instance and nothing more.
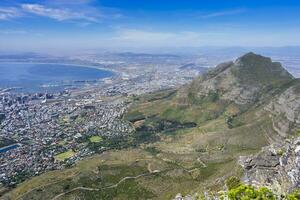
(276, 166)
(285, 110)
(187, 197)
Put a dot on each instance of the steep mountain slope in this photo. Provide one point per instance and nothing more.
(285, 109)
(252, 92)
(189, 139)
(278, 165)
(242, 81)
(229, 89)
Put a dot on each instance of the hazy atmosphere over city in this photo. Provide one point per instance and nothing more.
(150, 99)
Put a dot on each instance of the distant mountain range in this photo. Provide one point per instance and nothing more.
(193, 66)
(202, 57)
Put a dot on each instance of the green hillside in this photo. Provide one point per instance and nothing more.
(186, 140)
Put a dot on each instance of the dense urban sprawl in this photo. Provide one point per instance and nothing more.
(46, 131)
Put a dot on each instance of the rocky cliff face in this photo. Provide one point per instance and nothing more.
(276, 166)
(242, 81)
(285, 110)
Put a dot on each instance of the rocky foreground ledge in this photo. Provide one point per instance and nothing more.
(276, 166)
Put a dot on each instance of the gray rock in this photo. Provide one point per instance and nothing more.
(2, 117)
(276, 166)
(285, 110)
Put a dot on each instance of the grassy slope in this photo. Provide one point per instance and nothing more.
(189, 159)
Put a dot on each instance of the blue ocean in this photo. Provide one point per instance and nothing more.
(47, 77)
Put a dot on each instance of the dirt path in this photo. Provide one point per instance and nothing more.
(74, 189)
(126, 178)
(108, 187)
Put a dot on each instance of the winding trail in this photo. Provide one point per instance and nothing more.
(107, 187)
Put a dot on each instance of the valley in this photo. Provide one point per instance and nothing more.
(185, 140)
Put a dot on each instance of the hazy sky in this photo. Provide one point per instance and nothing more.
(55, 25)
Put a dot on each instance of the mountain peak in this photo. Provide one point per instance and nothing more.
(255, 69)
(242, 81)
(251, 57)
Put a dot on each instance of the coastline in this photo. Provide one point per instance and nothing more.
(112, 73)
(115, 72)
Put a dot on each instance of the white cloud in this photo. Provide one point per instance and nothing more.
(57, 13)
(139, 35)
(68, 2)
(154, 38)
(217, 36)
(223, 13)
(9, 13)
(80, 11)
